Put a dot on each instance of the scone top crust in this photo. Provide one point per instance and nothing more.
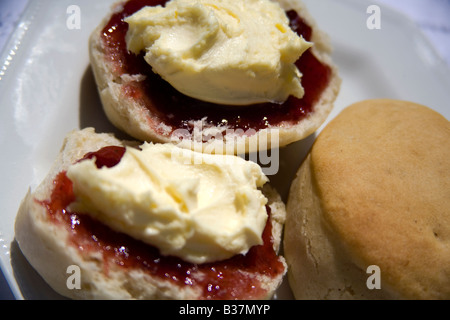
(382, 168)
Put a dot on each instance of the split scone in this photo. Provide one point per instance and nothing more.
(138, 231)
(368, 214)
(213, 75)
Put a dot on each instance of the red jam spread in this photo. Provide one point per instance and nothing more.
(179, 111)
(230, 279)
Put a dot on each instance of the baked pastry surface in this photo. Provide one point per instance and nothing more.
(373, 191)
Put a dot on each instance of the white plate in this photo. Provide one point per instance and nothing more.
(47, 89)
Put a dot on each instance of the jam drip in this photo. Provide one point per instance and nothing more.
(229, 279)
(180, 111)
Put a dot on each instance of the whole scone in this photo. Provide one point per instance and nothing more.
(368, 214)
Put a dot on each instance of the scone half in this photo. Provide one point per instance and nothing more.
(142, 105)
(115, 266)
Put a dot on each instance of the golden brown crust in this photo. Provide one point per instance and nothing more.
(139, 122)
(375, 191)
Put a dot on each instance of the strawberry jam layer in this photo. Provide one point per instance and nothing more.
(229, 279)
(179, 111)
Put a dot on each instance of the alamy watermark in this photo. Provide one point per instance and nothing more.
(73, 281)
(73, 21)
(263, 146)
(374, 280)
(373, 22)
